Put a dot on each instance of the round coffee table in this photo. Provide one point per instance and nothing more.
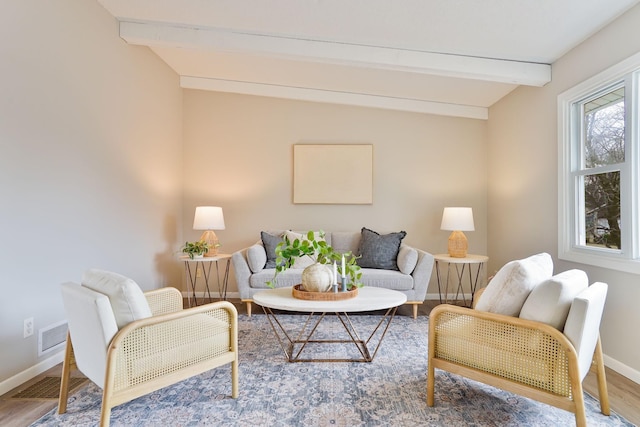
(368, 299)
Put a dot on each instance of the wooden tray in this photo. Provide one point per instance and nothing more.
(299, 293)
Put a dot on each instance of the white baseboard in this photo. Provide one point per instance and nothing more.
(437, 296)
(214, 295)
(22, 377)
(622, 369)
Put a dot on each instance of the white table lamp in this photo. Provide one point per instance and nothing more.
(209, 218)
(457, 220)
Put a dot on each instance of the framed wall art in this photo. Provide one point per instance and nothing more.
(333, 173)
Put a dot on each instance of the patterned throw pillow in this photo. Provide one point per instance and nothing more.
(379, 250)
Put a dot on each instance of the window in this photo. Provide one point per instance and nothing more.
(598, 170)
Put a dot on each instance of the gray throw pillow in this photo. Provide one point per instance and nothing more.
(379, 251)
(270, 242)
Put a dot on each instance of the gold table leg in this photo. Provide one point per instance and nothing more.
(293, 347)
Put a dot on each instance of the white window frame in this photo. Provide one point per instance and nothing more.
(569, 155)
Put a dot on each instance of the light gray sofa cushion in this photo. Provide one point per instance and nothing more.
(345, 241)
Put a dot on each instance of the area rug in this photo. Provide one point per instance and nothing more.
(391, 390)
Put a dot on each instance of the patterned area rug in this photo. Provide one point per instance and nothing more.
(389, 391)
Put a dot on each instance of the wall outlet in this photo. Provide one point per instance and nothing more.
(28, 327)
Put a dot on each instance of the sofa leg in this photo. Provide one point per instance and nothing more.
(249, 308)
(414, 305)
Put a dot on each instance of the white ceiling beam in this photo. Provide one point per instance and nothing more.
(495, 70)
(334, 97)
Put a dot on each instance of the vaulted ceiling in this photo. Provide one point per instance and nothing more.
(449, 57)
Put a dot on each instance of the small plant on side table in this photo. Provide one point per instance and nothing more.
(194, 249)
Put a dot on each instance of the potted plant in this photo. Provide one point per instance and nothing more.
(321, 253)
(196, 249)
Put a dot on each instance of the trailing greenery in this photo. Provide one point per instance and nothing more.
(195, 248)
(319, 251)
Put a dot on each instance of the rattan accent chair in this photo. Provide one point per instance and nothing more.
(521, 356)
(130, 358)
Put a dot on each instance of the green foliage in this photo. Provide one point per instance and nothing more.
(319, 251)
(195, 248)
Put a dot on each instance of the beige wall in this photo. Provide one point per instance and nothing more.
(90, 163)
(523, 185)
(238, 154)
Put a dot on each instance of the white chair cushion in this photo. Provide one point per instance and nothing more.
(92, 326)
(256, 257)
(583, 323)
(510, 287)
(127, 300)
(407, 259)
(549, 302)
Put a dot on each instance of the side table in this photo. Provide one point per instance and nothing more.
(196, 266)
(461, 264)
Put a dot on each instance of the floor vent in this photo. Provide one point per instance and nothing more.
(52, 337)
(48, 388)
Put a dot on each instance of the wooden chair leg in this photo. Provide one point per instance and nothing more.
(431, 374)
(105, 411)
(415, 311)
(249, 308)
(603, 394)
(66, 375)
(581, 415)
(234, 378)
(430, 384)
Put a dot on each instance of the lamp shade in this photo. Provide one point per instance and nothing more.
(208, 218)
(457, 219)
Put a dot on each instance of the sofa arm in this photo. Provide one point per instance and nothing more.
(422, 274)
(242, 272)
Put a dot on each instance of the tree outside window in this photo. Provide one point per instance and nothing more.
(603, 148)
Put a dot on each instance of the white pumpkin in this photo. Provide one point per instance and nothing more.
(317, 278)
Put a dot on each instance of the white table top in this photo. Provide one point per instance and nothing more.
(368, 298)
(217, 257)
(469, 259)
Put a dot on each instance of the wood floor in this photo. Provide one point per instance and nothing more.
(624, 394)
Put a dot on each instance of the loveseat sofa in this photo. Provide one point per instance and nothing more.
(405, 269)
